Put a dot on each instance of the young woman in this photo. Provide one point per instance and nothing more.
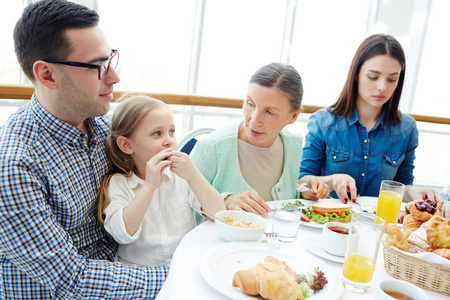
(255, 160)
(144, 201)
(363, 138)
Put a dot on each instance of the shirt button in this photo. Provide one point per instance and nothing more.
(362, 174)
(279, 189)
(71, 145)
(365, 156)
(365, 141)
(334, 157)
(394, 162)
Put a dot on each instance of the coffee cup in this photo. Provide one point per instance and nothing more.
(391, 289)
(335, 237)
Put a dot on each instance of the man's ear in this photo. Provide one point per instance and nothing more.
(46, 74)
(124, 144)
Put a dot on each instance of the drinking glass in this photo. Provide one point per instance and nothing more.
(286, 223)
(362, 250)
(390, 200)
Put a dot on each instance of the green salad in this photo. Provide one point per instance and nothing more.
(322, 219)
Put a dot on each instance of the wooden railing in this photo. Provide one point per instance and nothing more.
(25, 92)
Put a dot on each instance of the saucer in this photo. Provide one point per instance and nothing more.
(315, 247)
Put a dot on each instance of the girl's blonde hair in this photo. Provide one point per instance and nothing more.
(126, 118)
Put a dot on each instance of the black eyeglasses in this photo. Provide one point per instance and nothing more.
(102, 68)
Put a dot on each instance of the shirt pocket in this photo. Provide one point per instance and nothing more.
(336, 161)
(391, 162)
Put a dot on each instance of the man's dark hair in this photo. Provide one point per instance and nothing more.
(40, 32)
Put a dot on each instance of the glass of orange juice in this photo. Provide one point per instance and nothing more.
(390, 200)
(362, 251)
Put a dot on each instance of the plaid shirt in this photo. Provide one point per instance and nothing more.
(51, 245)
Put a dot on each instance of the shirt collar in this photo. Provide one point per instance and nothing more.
(380, 122)
(134, 180)
(58, 128)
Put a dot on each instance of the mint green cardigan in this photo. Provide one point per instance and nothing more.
(216, 156)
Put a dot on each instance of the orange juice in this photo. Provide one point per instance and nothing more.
(358, 268)
(389, 206)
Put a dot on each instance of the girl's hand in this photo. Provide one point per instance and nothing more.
(155, 166)
(182, 165)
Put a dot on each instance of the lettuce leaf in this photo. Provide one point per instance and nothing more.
(327, 217)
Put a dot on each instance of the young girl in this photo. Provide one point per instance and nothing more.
(144, 200)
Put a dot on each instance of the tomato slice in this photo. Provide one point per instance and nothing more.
(305, 218)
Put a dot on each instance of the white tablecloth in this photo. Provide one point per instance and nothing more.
(186, 282)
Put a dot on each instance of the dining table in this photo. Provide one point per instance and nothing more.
(186, 278)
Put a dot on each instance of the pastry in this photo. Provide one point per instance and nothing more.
(442, 252)
(438, 232)
(410, 224)
(423, 210)
(395, 237)
(418, 241)
(268, 280)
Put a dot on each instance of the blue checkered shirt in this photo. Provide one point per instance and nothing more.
(51, 245)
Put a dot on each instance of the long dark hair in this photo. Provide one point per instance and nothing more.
(373, 45)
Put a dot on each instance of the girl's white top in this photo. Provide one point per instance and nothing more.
(167, 220)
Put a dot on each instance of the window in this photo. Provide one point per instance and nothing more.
(211, 48)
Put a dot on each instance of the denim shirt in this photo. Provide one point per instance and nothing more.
(339, 145)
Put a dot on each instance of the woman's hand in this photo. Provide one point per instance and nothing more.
(247, 201)
(414, 193)
(445, 209)
(320, 189)
(343, 183)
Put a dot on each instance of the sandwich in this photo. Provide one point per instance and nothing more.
(323, 212)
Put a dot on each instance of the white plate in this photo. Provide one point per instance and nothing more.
(219, 264)
(315, 247)
(312, 224)
(370, 204)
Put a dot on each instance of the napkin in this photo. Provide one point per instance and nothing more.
(428, 257)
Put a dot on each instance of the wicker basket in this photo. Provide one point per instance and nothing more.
(424, 274)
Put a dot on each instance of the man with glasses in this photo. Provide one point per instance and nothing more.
(52, 159)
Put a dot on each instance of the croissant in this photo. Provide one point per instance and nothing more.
(269, 280)
(438, 232)
(395, 237)
(420, 215)
(410, 224)
(443, 252)
(418, 241)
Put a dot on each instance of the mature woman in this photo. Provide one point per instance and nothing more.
(363, 138)
(255, 160)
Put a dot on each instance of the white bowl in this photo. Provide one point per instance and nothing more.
(234, 234)
(400, 286)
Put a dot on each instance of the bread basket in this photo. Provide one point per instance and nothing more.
(424, 274)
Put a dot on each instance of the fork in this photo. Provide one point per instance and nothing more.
(272, 238)
(362, 207)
